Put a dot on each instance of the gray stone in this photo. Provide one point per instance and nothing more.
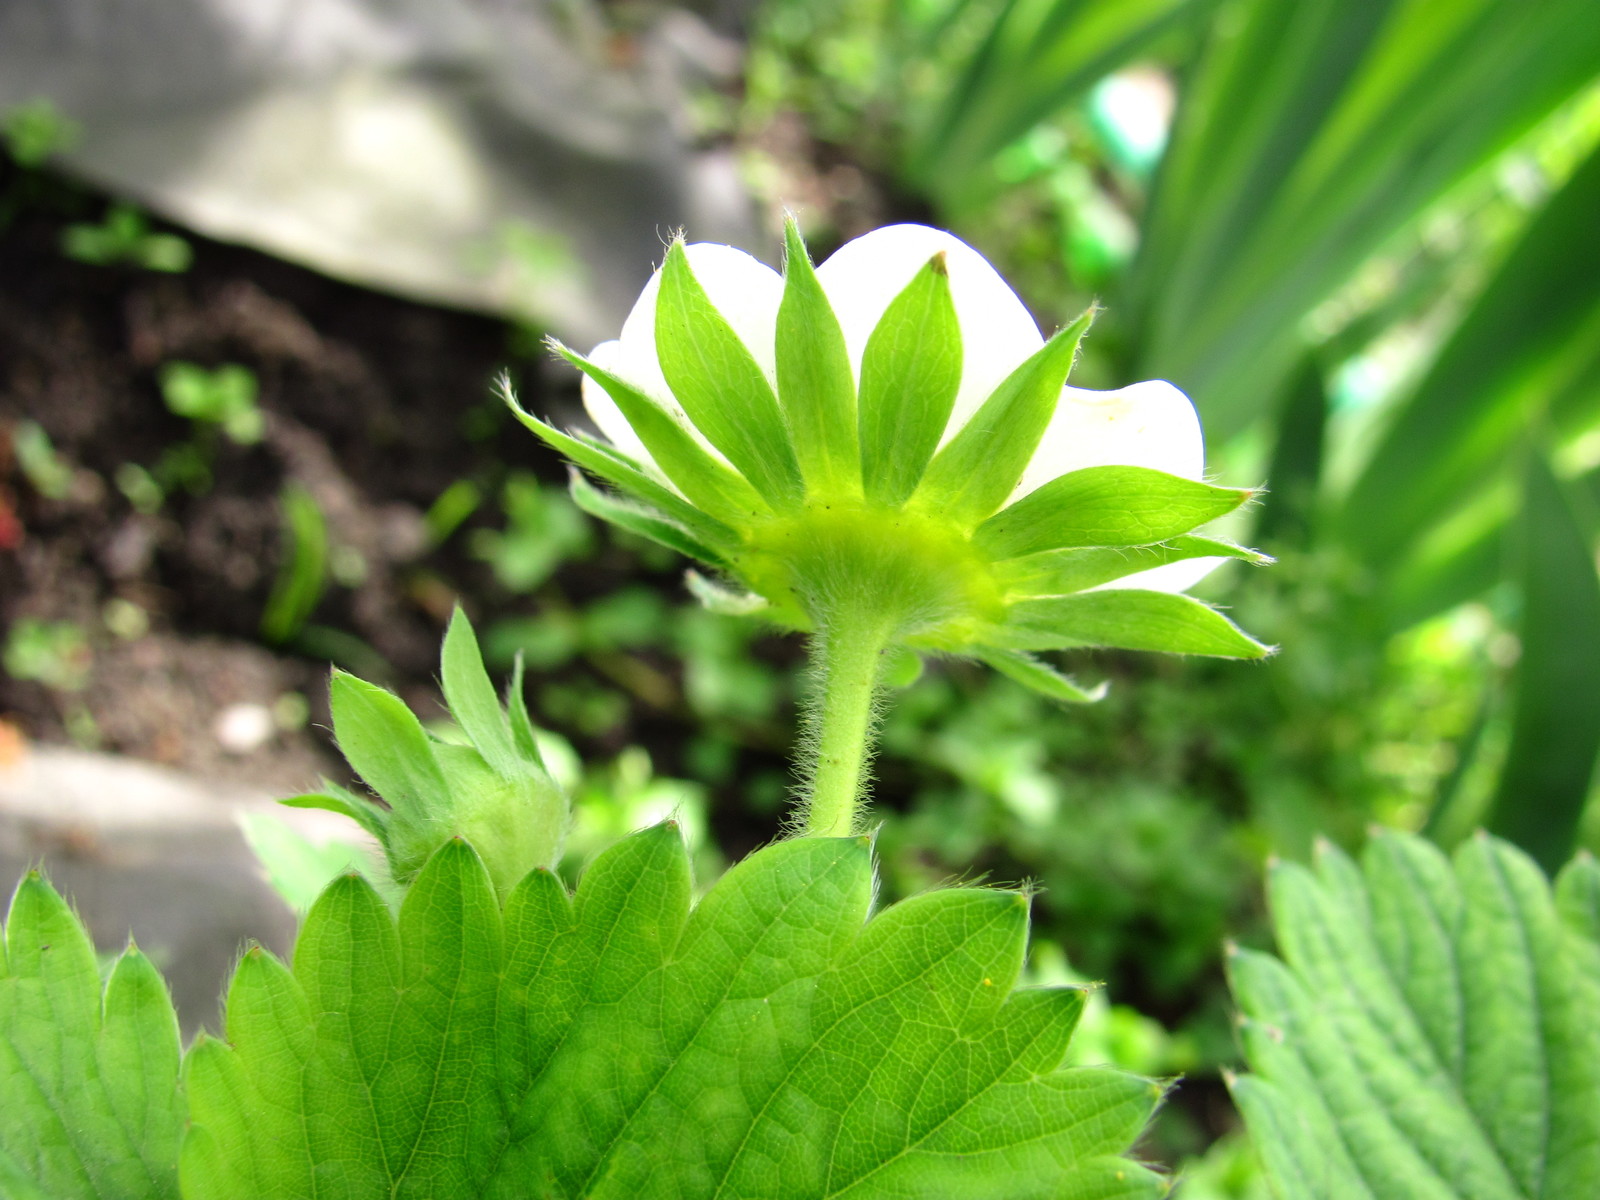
(152, 853)
(521, 158)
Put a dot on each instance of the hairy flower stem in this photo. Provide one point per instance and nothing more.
(849, 666)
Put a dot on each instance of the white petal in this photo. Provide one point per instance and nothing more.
(1149, 424)
(1174, 577)
(745, 291)
(997, 333)
(603, 410)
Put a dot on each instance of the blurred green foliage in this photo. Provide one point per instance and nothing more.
(1380, 291)
(542, 529)
(35, 131)
(303, 574)
(49, 474)
(54, 653)
(224, 397)
(124, 238)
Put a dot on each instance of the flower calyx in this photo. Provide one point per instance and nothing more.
(889, 434)
(492, 790)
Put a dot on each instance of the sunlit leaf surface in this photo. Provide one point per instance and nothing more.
(89, 1103)
(770, 1041)
(1429, 1031)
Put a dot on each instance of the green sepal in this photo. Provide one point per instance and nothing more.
(721, 386)
(494, 790)
(1126, 619)
(521, 822)
(373, 818)
(816, 386)
(715, 598)
(387, 746)
(1058, 572)
(474, 705)
(910, 374)
(636, 518)
(1039, 677)
(981, 465)
(902, 666)
(1105, 506)
(89, 1099)
(607, 463)
(522, 729)
(716, 492)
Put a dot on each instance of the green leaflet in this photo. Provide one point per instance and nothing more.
(910, 373)
(815, 384)
(771, 1041)
(721, 386)
(1105, 506)
(522, 728)
(1429, 1032)
(89, 1103)
(1128, 619)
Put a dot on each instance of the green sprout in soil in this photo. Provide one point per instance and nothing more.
(223, 397)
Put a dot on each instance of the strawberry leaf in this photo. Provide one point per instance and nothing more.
(89, 1102)
(1429, 1031)
(770, 1041)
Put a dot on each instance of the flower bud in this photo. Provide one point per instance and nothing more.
(493, 792)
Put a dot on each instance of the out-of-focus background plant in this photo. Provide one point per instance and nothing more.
(1362, 235)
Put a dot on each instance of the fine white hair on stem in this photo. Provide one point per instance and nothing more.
(808, 742)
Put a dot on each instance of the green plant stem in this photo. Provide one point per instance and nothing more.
(849, 663)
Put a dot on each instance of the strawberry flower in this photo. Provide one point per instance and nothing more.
(882, 451)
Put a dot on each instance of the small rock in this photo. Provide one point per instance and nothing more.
(244, 728)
